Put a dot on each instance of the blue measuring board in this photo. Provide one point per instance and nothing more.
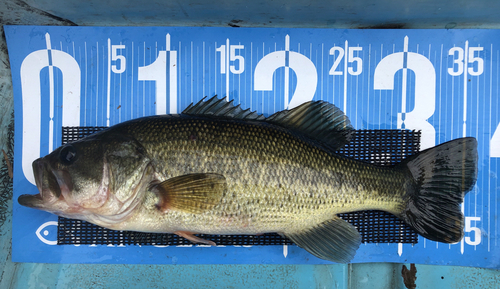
(441, 82)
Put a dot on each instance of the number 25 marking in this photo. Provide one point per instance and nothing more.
(350, 58)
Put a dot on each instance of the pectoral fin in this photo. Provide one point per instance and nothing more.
(192, 193)
(334, 240)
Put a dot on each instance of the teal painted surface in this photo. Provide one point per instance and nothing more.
(29, 275)
(375, 276)
(279, 13)
(456, 277)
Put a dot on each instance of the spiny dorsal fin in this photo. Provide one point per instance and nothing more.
(194, 193)
(334, 240)
(221, 108)
(319, 120)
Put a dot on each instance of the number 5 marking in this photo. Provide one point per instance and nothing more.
(118, 58)
(476, 230)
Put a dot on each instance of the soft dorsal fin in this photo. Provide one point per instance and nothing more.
(221, 108)
(317, 120)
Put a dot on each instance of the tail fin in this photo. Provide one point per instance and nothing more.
(441, 175)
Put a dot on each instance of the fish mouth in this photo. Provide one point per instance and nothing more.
(48, 187)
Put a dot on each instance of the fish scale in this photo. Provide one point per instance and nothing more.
(298, 184)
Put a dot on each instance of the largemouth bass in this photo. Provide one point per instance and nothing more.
(218, 169)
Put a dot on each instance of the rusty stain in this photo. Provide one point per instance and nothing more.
(8, 163)
(234, 23)
(409, 276)
(384, 26)
(119, 106)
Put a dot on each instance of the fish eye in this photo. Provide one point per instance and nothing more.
(67, 156)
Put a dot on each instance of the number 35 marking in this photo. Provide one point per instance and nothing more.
(471, 58)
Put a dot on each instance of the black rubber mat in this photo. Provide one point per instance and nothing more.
(381, 147)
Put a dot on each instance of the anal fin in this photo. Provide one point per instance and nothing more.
(333, 240)
(193, 193)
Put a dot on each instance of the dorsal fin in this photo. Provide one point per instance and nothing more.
(221, 108)
(318, 120)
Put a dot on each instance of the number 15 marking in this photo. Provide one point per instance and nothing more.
(224, 61)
